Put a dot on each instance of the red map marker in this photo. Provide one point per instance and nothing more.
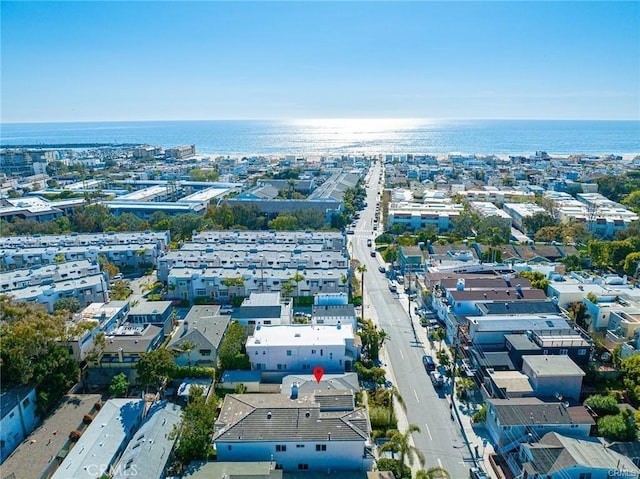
(318, 371)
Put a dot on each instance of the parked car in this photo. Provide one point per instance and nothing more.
(437, 379)
(477, 473)
(226, 309)
(369, 242)
(382, 269)
(429, 363)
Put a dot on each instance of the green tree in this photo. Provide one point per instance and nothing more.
(439, 335)
(466, 223)
(572, 262)
(631, 264)
(538, 221)
(362, 269)
(538, 280)
(231, 353)
(464, 387)
(619, 427)
(630, 368)
(297, 278)
(196, 427)
(284, 223)
(155, 368)
(71, 305)
(400, 443)
(119, 386)
(578, 313)
(30, 353)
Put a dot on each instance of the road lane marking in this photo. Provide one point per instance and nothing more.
(416, 394)
(401, 355)
(428, 432)
(440, 463)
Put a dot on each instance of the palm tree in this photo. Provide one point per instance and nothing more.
(287, 288)
(186, 347)
(439, 335)
(399, 443)
(362, 269)
(433, 473)
(296, 279)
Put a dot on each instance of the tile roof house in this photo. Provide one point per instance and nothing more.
(300, 433)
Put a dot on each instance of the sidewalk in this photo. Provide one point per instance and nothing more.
(476, 436)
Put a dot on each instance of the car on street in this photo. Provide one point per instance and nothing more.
(437, 379)
(369, 242)
(429, 363)
(382, 269)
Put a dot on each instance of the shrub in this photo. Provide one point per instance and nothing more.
(75, 435)
(393, 465)
(193, 372)
(382, 417)
(87, 419)
(480, 415)
(97, 406)
(603, 405)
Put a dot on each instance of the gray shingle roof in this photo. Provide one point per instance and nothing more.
(522, 411)
(273, 417)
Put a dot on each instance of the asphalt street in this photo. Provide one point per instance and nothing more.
(440, 439)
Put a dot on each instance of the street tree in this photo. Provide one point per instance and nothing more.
(401, 444)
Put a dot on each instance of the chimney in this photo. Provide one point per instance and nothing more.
(294, 391)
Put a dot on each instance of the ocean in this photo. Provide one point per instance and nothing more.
(365, 136)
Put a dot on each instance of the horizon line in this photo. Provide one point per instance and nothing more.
(337, 119)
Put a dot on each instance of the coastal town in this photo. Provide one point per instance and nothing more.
(171, 313)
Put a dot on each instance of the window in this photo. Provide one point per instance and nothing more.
(26, 402)
(321, 447)
(584, 475)
(299, 445)
(564, 352)
(282, 366)
(582, 352)
(205, 352)
(303, 467)
(201, 292)
(281, 447)
(313, 351)
(229, 447)
(289, 352)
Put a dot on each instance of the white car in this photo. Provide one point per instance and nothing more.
(226, 309)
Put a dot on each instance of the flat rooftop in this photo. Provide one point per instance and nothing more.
(552, 365)
(299, 334)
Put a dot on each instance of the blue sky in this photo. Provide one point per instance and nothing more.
(91, 61)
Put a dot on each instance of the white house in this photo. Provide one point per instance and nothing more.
(18, 409)
(320, 432)
(302, 347)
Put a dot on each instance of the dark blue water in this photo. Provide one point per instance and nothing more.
(243, 137)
